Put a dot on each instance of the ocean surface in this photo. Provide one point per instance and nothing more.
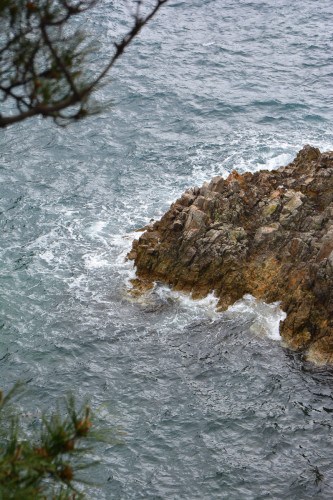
(202, 405)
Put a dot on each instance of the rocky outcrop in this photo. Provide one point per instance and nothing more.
(268, 233)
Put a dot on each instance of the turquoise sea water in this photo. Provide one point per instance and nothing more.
(209, 405)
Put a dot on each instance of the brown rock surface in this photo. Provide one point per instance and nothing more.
(268, 233)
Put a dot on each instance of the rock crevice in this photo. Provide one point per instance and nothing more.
(268, 233)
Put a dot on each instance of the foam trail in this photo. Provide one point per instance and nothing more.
(95, 261)
(267, 316)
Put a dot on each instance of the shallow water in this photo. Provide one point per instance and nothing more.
(206, 405)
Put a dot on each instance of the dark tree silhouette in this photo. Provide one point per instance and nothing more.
(44, 58)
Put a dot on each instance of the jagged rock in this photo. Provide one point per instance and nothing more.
(268, 233)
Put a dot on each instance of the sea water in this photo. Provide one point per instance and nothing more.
(201, 404)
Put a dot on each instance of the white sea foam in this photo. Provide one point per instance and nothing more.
(205, 307)
(97, 227)
(278, 161)
(95, 261)
(48, 256)
(267, 316)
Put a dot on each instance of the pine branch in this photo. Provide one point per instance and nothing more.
(43, 67)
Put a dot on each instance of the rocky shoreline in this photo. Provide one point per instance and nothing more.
(268, 233)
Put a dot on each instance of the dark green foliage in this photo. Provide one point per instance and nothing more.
(40, 62)
(44, 58)
(49, 466)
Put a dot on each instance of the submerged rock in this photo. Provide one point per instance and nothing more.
(268, 234)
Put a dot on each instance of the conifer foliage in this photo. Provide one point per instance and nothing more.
(45, 56)
(47, 466)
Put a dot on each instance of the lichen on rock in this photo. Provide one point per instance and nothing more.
(268, 234)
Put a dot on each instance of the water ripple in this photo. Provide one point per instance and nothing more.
(206, 405)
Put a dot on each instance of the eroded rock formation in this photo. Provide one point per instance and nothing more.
(268, 233)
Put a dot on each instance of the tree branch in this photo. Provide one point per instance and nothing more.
(27, 74)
